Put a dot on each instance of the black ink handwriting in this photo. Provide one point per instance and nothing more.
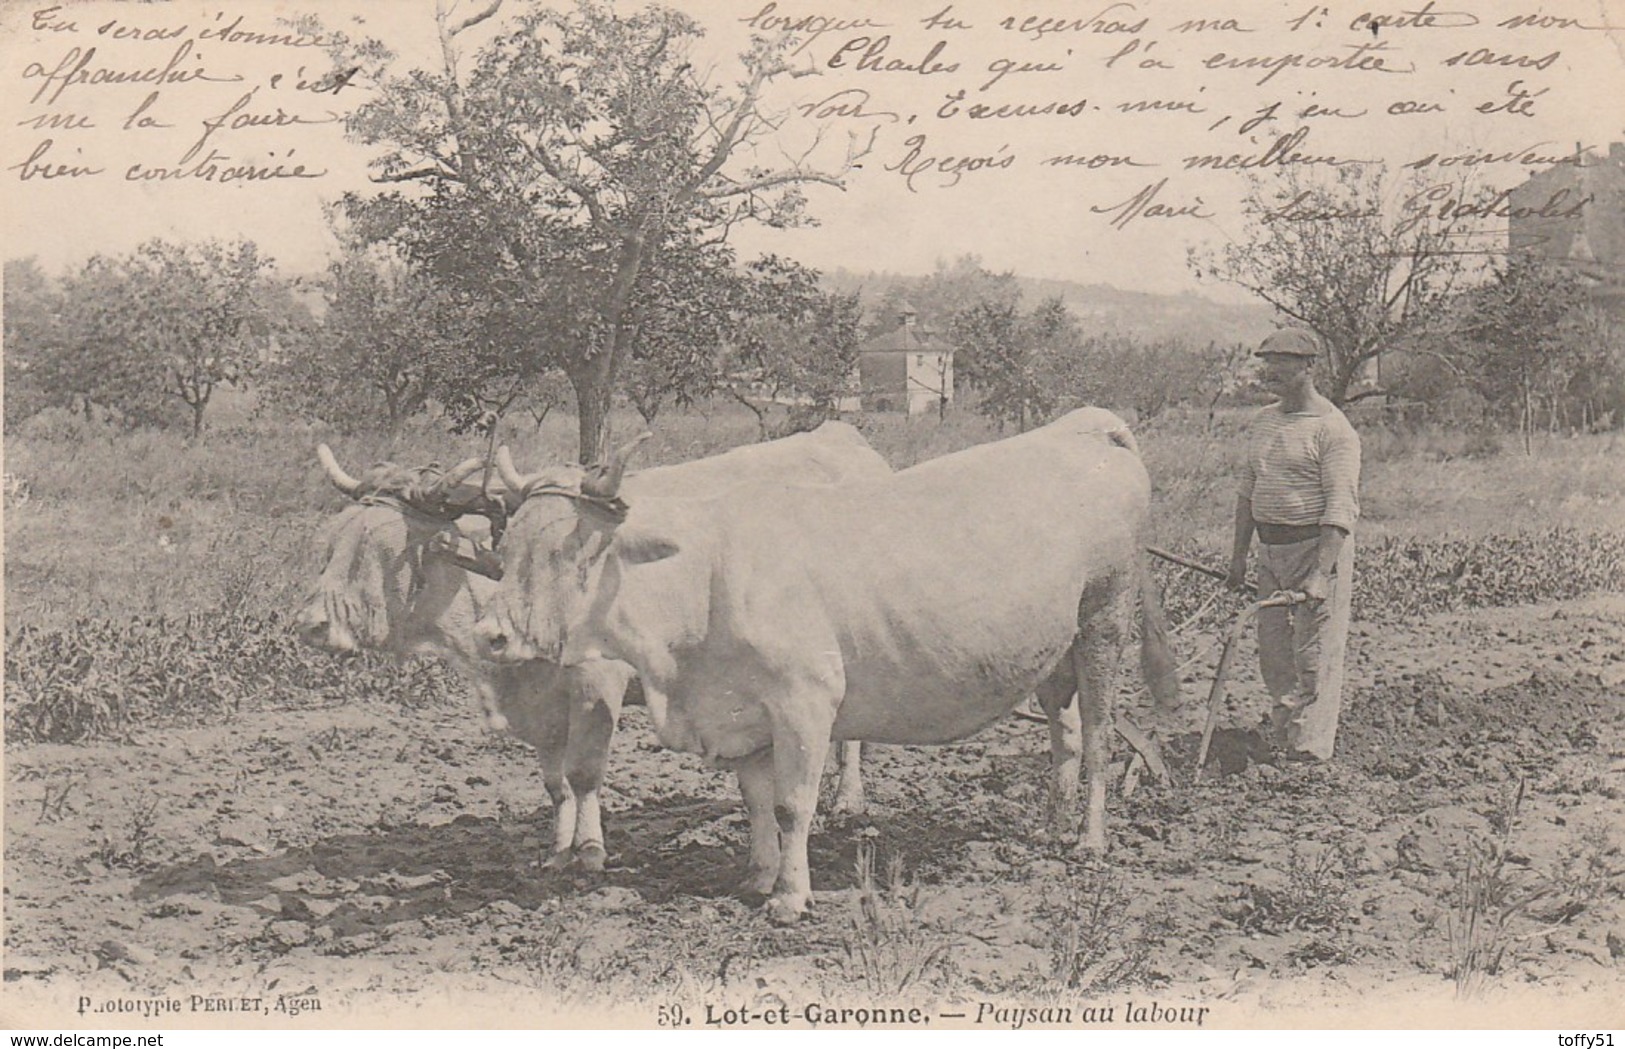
(238, 116)
(214, 168)
(74, 69)
(981, 111)
(1424, 18)
(1038, 26)
(873, 57)
(1526, 157)
(1366, 57)
(916, 163)
(847, 104)
(36, 166)
(1283, 152)
(1003, 67)
(1144, 204)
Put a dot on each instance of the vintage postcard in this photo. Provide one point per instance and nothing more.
(477, 470)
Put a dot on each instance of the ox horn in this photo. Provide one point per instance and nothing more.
(507, 471)
(335, 473)
(604, 481)
(460, 473)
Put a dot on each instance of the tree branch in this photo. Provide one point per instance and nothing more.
(475, 19)
(419, 173)
(756, 185)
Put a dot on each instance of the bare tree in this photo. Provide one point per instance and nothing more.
(1359, 267)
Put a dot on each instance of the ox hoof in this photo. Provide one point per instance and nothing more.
(558, 861)
(849, 807)
(1089, 846)
(592, 858)
(1049, 837)
(785, 910)
(758, 886)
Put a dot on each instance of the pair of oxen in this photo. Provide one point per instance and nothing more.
(769, 600)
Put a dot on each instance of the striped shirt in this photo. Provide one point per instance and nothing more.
(1302, 469)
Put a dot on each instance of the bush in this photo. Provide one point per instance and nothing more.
(98, 679)
(1401, 578)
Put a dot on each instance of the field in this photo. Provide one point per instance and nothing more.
(199, 810)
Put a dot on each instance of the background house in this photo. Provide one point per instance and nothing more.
(909, 369)
(1574, 215)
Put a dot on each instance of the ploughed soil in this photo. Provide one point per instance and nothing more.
(1459, 864)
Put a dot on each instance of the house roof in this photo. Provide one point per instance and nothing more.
(907, 337)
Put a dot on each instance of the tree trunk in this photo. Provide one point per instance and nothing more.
(1528, 420)
(760, 413)
(197, 416)
(392, 407)
(592, 409)
(1337, 389)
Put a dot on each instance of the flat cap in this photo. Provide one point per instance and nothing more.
(1292, 342)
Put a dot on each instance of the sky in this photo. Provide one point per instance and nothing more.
(1096, 142)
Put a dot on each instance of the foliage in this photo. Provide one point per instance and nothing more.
(388, 334)
(33, 338)
(889, 947)
(1400, 578)
(685, 314)
(99, 678)
(563, 177)
(1020, 358)
(950, 288)
(1150, 378)
(133, 335)
(1314, 894)
(1523, 336)
(1096, 941)
(1339, 257)
(1486, 895)
(793, 343)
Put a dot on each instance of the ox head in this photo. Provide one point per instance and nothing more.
(378, 551)
(553, 556)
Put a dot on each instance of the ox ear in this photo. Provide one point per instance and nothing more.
(640, 546)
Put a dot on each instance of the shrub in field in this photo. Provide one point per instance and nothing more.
(889, 948)
(1097, 943)
(1399, 578)
(1313, 896)
(100, 678)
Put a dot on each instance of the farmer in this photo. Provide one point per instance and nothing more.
(1300, 493)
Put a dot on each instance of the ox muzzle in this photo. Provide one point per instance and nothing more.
(317, 629)
(500, 642)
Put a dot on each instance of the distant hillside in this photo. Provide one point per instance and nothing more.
(1102, 308)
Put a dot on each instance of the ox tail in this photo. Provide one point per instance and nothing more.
(1157, 666)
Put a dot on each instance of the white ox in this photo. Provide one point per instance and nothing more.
(916, 608)
(394, 581)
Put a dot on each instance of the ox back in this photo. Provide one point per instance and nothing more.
(937, 597)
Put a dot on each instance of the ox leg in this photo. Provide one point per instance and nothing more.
(756, 786)
(554, 723)
(800, 744)
(1095, 656)
(600, 690)
(1065, 749)
(849, 790)
(586, 755)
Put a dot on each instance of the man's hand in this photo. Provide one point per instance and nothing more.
(1236, 578)
(1316, 586)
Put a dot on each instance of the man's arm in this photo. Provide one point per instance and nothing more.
(1340, 481)
(1318, 584)
(1243, 542)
